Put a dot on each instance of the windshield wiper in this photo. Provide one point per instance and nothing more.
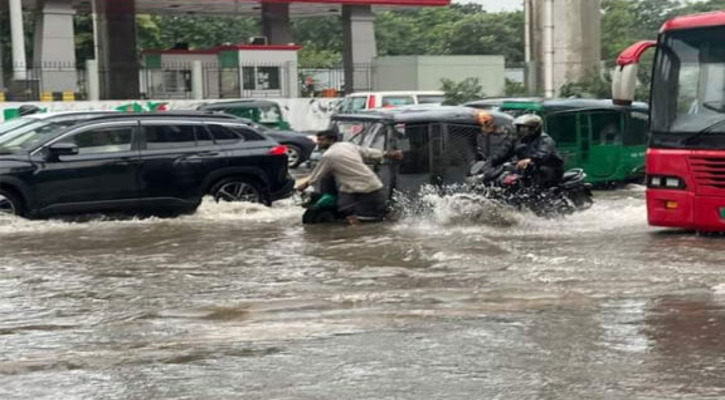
(690, 139)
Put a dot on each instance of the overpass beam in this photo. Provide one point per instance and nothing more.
(359, 48)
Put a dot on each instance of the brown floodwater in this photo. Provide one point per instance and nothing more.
(242, 301)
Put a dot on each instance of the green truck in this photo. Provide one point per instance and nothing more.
(605, 140)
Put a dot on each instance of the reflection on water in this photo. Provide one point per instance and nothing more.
(467, 300)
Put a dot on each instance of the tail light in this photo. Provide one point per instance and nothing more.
(278, 150)
(371, 102)
(510, 179)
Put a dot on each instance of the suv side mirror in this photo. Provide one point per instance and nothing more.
(62, 149)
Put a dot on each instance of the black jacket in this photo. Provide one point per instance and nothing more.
(541, 149)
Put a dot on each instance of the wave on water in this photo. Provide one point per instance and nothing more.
(208, 212)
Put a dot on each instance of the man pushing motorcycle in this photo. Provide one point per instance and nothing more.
(533, 151)
(361, 195)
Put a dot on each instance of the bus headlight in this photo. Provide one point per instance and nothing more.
(665, 182)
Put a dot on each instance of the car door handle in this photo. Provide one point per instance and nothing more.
(125, 161)
(196, 158)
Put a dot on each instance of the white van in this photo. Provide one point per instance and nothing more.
(370, 100)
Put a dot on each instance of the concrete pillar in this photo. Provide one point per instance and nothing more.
(359, 49)
(293, 83)
(54, 56)
(197, 80)
(118, 61)
(17, 36)
(92, 80)
(577, 40)
(276, 23)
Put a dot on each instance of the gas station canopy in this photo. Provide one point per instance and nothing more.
(298, 8)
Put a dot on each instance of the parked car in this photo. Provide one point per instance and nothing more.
(362, 101)
(264, 112)
(158, 162)
(299, 145)
(607, 141)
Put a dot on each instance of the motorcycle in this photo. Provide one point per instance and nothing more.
(517, 188)
(321, 208)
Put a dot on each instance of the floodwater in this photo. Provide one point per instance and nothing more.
(242, 302)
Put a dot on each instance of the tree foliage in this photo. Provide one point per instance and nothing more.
(456, 93)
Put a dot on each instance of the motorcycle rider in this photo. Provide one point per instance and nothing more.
(532, 148)
(361, 194)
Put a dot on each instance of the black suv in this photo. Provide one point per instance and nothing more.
(140, 162)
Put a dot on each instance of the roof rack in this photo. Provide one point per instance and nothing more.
(168, 114)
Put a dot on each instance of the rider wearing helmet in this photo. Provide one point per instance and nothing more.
(532, 148)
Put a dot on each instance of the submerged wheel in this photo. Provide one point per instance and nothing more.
(10, 203)
(238, 189)
(582, 200)
(318, 217)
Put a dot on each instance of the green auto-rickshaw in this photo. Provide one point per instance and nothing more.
(605, 140)
(264, 112)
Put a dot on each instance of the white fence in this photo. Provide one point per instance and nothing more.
(303, 114)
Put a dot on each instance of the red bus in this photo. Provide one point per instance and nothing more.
(685, 158)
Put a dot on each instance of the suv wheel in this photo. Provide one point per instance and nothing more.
(294, 156)
(10, 203)
(238, 189)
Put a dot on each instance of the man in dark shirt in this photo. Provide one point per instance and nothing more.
(532, 148)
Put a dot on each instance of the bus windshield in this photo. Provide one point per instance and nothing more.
(688, 94)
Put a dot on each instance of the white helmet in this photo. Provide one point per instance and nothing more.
(531, 120)
(531, 123)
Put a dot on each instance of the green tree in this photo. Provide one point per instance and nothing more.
(514, 89)
(461, 92)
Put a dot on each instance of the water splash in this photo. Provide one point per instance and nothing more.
(208, 212)
(453, 209)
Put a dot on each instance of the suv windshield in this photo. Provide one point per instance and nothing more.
(688, 96)
(31, 135)
(353, 104)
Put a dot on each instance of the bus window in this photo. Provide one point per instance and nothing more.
(637, 130)
(606, 127)
(563, 128)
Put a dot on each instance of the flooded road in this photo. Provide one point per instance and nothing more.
(240, 301)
